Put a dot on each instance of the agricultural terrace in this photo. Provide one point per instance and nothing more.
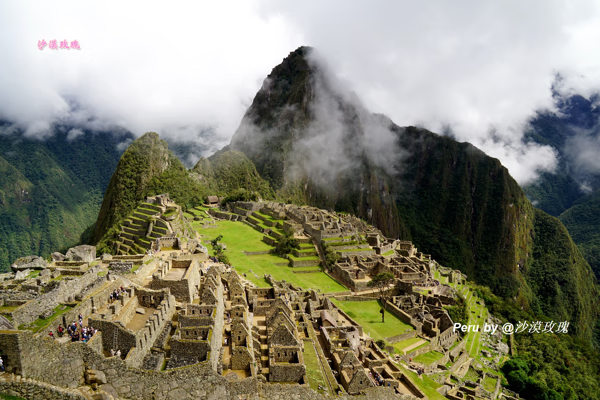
(240, 238)
(367, 314)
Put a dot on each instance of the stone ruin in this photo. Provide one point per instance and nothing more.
(185, 317)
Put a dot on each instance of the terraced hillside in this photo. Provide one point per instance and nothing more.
(146, 223)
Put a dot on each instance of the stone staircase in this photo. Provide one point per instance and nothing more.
(141, 228)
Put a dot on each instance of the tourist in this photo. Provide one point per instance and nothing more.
(1, 364)
(60, 330)
(51, 334)
(112, 352)
(118, 354)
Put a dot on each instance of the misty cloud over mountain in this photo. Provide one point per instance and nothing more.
(478, 70)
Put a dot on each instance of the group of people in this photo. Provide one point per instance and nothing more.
(76, 333)
(116, 293)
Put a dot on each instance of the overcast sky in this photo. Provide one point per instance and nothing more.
(177, 68)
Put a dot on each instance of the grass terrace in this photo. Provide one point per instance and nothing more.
(268, 217)
(335, 239)
(239, 237)
(489, 384)
(313, 367)
(428, 358)
(425, 383)
(367, 314)
(41, 323)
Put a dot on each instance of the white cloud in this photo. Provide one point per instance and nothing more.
(74, 134)
(481, 68)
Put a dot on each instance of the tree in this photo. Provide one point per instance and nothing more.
(218, 250)
(286, 244)
(331, 256)
(381, 281)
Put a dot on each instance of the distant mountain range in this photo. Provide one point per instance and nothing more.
(572, 192)
(51, 190)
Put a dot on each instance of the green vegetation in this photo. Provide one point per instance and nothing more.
(489, 384)
(286, 244)
(218, 250)
(146, 168)
(232, 175)
(561, 280)
(425, 383)
(240, 195)
(9, 397)
(429, 357)
(463, 207)
(51, 190)
(367, 314)
(331, 256)
(313, 367)
(583, 222)
(240, 237)
(406, 343)
(458, 312)
(41, 323)
(568, 365)
(381, 282)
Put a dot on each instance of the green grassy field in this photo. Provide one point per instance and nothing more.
(367, 314)
(489, 384)
(313, 368)
(406, 343)
(239, 237)
(425, 383)
(428, 358)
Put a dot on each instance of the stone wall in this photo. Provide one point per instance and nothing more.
(458, 348)
(401, 337)
(353, 322)
(66, 291)
(241, 358)
(393, 309)
(121, 267)
(64, 365)
(96, 299)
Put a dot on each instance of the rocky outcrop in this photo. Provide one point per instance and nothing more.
(56, 256)
(85, 253)
(29, 262)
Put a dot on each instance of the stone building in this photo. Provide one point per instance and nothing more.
(132, 323)
(181, 275)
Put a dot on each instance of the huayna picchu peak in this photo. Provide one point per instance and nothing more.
(325, 252)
